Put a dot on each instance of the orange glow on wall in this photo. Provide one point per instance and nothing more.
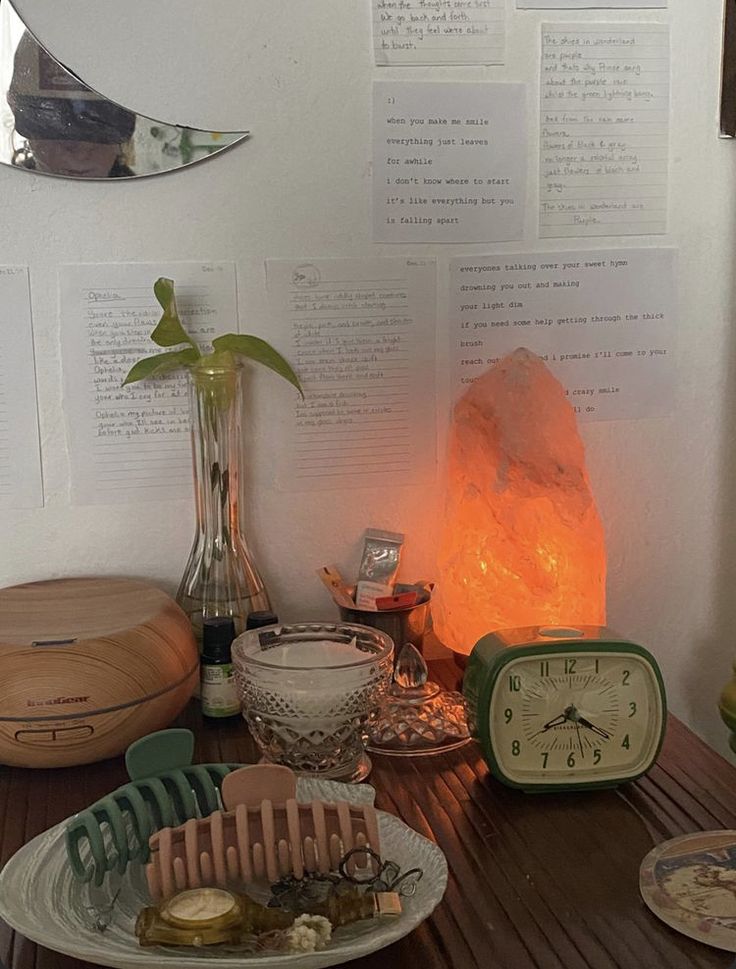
(522, 540)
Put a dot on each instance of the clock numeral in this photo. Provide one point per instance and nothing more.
(625, 677)
(544, 668)
(632, 708)
(625, 742)
(571, 760)
(516, 748)
(597, 665)
(545, 758)
(508, 714)
(596, 756)
(515, 684)
(570, 665)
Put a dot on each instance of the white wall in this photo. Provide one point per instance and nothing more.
(298, 73)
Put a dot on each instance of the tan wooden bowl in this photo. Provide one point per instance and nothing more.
(87, 666)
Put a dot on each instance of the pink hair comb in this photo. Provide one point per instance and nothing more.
(263, 833)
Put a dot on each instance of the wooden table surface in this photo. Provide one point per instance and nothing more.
(536, 881)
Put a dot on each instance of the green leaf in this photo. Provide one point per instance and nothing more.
(259, 350)
(161, 363)
(169, 332)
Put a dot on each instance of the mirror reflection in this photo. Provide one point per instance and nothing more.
(53, 124)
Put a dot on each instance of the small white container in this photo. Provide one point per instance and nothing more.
(309, 689)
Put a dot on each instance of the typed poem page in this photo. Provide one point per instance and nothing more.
(604, 321)
(450, 161)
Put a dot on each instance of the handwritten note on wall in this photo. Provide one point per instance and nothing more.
(449, 162)
(132, 443)
(604, 129)
(583, 4)
(604, 321)
(362, 336)
(20, 457)
(439, 31)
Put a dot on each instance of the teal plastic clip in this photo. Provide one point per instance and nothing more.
(165, 790)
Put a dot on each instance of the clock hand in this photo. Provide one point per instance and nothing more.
(556, 722)
(580, 741)
(591, 726)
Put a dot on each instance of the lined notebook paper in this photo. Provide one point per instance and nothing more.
(439, 31)
(362, 339)
(604, 129)
(132, 443)
(20, 457)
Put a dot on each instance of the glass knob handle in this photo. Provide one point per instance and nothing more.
(411, 670)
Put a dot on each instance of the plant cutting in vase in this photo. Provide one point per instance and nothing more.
(220, 578)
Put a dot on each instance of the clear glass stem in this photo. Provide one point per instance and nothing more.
(220, 578)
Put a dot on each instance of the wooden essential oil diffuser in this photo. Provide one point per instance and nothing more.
(89, 665)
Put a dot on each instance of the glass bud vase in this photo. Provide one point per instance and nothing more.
(220, 578)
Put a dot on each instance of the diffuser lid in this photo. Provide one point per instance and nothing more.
(59, 610)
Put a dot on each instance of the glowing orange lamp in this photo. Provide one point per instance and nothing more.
(523, 544)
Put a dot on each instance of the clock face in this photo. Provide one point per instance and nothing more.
(567, 717)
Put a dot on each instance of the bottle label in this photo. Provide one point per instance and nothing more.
(219, 692)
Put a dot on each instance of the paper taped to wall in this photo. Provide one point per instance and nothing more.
(587, 4)
(132, 443)
(604, 321)
(20, 456)
(361, 334)
(439, 31)
(449, 161)
(604, 129)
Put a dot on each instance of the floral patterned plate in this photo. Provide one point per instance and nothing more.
(690, 883)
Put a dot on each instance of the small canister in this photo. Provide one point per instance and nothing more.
(406, 625)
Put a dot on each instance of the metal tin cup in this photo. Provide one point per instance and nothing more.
(407, 625)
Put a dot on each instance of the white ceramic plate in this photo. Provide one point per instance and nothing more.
(41, 899)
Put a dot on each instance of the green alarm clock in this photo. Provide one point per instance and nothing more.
(565, 709)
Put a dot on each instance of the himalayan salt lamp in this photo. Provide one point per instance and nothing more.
(522, 544)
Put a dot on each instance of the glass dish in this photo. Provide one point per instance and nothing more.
(309, 691)
(416, 716)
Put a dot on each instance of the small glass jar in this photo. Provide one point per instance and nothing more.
(309, 690)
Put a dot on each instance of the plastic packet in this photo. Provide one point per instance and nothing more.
(378, 567)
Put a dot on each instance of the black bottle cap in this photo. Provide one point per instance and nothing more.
(263, 617)
(218, 634)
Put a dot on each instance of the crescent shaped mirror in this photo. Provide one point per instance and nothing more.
(52, 123)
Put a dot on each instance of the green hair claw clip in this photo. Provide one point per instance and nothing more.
(165, 789)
